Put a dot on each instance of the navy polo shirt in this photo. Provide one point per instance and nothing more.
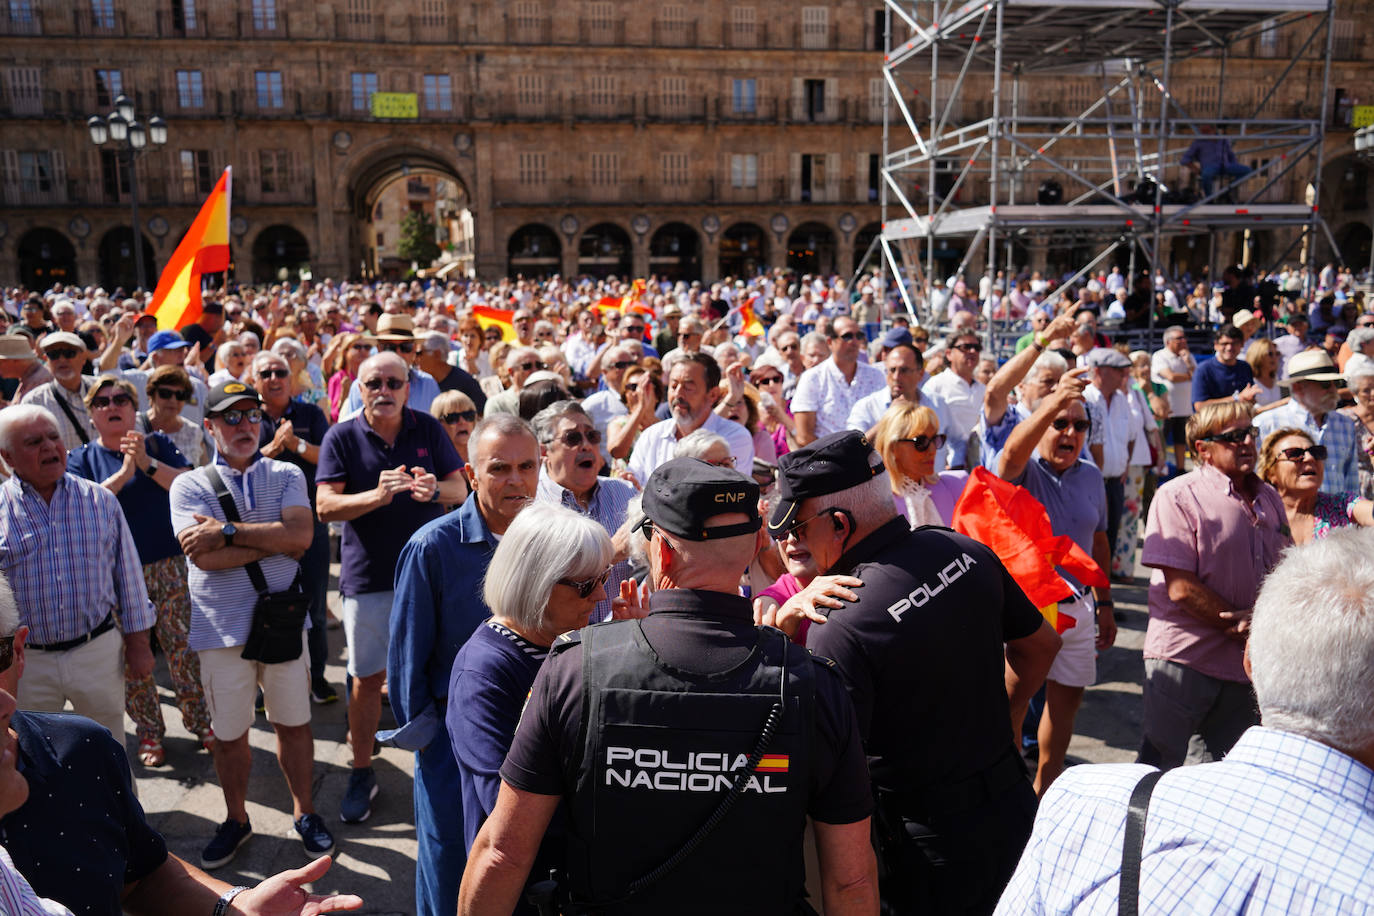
(146, 505)
(1214, 380)
(81, 836)
(458, 380)
(354, 455)
(310, 425)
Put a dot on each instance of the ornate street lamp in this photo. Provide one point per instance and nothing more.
(133, 138)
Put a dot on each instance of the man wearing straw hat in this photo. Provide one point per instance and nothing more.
(396, 334)
(1314, 381)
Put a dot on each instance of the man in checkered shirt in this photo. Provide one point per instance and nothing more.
(1285, 823)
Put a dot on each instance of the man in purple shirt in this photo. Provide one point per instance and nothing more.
(1211, 537)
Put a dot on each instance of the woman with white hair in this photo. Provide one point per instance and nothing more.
(708, 447)
(545, 577)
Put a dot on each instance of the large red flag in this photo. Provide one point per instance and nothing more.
(205, 249)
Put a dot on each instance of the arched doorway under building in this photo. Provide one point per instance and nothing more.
(1354, 240)
(534, 251)
(743, 251)
(280, 255)
(675, 253)
(117, 268)
(862, 240)
(811, 249)
(604, 251)
(45, 258)
(405, 191)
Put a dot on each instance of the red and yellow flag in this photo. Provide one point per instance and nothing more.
(205, 249)
(773, 763)
(1016, 526)
(489, 317)
(750, 326)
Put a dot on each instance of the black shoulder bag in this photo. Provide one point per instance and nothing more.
(1133, 846)
(278, 617)
(71, 414)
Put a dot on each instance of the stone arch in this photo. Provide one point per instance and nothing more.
(117, 265)
(811, 249)
(534, 250)
(605, 250)
(743, 249)
(675, 253)
(280, 253)
(45, 257)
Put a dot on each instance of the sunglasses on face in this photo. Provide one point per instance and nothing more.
(529, 367)
(118, 400)
(1234, 437)
(924, 443)
(769, 380)
(573, 437)
(920, 340)
(396, 347)
(392, 384)
(1062, 423)
(469, 416)
(796, 530)
(850, 336)
(235, 417)
(789, 348)
(275, 373)
(493, 335)
(1295, 454)
(585, 587)
(61, 353)
(634, 331)
(169, 393)
(362, 346)
(633, 386)
(623, 364)
(969, 347)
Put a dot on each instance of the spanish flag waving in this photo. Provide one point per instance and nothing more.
(489, 317)
(205, 249)
(750, 326)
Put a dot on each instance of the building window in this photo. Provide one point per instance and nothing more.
(812, 176)
(875, 175)
(603, 93)
(528, 16)
(274, 170)
(877, 90)
(196, 178)
(672, 24)
(743, 26)
(108, 86)
(114, 175)
(265, 15)
(744, 170)
(744, 99)
(268, 85)
(605, 169)
(359, 12)
(534, 168)
(815, 27)
(25, 90)
(434, 13)
(103, 14)
(601, 22)
(438, 92)
(674, 95)
(21, 11)
(190, 89)
(35, 172)
(363, 86)
(529, 90)
(184, 15)
(813, 99)
(674, 166)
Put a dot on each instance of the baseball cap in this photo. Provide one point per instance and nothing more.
(226, 394)
(64, 337)
(895, 336)
(832, 463)
(166, 340)
(682, 494)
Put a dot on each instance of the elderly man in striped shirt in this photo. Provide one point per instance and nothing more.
(65, 547)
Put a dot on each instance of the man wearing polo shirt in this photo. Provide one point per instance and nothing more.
(274, 529)
(396, 334)
(1228, 377)
(827, 392)
(64, 396)
(384, 473)
(693, 390)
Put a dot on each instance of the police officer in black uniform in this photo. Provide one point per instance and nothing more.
(688, 747)
(922, 652)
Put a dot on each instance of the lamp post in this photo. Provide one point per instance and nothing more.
(132, 138)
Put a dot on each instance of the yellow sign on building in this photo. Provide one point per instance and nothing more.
(395, 105)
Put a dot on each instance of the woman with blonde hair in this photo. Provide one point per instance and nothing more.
(1294, 465)
(908, 437)
(456, 412)
(1263, 359)
(341, 360)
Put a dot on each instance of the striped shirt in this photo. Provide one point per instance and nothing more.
(222, 600)
(608, 504)
(48, 395)
(71, 561)
(1281, 825)
(17, 897)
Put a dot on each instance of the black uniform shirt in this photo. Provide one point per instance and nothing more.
(922, 651)
(700, 632)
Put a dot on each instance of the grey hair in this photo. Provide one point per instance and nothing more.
(870, 502)
(17, 414)
(815, 337)
(1049, 360)
(436, 341)
(542, 324)
(609, 356)
(9, 608)
(1358, 337)
(698, 444)
(502, 424)
(515, 354)
(1356, 370)
(384, 358)
(287, 343)
(266, 354)
(546, 421)
(544, 543)
(222, 354)
(1312, 641)
(638, 547)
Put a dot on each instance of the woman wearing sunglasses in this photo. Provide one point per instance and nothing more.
(545, 577)
(1295, 466)
(458, 415)
(908, 437)
(169, 388)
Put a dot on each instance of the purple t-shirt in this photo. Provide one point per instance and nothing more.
(1199, 523)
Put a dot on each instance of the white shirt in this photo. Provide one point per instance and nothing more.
(1180, 393)
(870, 409)
(963, 403)
(822, 390)
(656, 444)
(1114, 419)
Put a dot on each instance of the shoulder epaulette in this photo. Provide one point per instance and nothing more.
(567, 640)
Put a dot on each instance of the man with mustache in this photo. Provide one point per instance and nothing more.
(693, 390)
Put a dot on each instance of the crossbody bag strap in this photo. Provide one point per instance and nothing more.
(231, 514)
(1128, 898)
(67, 409)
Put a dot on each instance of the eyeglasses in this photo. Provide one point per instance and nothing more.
(633, 329)
(920, 340)
(361, 346)
(623, 364)
(393, 347)
(769, 380)
(1234, 437)
(850, 336)
(118, 400)
(585, 587)
(1062, 423)
(969, 347)
(727, 462)
(392, 384)
(274, 373)
(469, 416)
(795, 530)
(172, 393)
(632, 386)
(789, 348)
(62, 353)
(529, 366)
(924, 443)
(235, 417)
(573, 437)
(1295, 454)
(6, 652)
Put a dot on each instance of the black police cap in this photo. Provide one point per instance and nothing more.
(683, 493)
(832, 463)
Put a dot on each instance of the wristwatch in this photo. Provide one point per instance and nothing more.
(228, 529)
(222, 904)
(152, 467)
(301, 446)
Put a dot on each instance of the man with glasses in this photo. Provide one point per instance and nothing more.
(904, 370)
(1228, 377)
(396, 334)
(961, 393)
(1315, 384)
(65, 395)
(607, 404)
(1212, 536)
(788, 345)
(384, 473)
(165, 348)
(521, 363)
(274, 530)
(20, 364)
(826, 393)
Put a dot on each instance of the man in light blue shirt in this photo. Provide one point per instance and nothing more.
(1312, 407)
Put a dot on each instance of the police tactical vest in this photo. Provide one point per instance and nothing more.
(661, 748)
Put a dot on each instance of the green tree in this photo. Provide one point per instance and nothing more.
(417, 239)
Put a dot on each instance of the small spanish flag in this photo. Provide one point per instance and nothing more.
(750, 326)
(204, 249)
(773, 763)
(489, 317)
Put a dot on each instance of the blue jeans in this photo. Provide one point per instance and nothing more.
(315, 579)
(441, 855)
(1209, 174)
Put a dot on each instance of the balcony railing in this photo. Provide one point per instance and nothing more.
(675, 33)
(173, 26)
(359, 27)
(527, 31)
(20, 194)
(601, 32)
(89, 22)
(687, 107)
(21, 21)
(263, 25)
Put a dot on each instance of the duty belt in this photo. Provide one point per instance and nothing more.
(963, 795)
(101, 629)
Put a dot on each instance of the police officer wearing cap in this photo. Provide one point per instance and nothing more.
(937, 648)
(688, 747)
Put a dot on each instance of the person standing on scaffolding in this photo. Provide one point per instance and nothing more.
(1209, 156)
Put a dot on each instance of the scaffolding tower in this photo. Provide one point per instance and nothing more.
(1117, 160)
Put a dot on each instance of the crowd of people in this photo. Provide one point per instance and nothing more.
(503, 465)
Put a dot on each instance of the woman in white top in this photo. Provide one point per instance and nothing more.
(1264, 361)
